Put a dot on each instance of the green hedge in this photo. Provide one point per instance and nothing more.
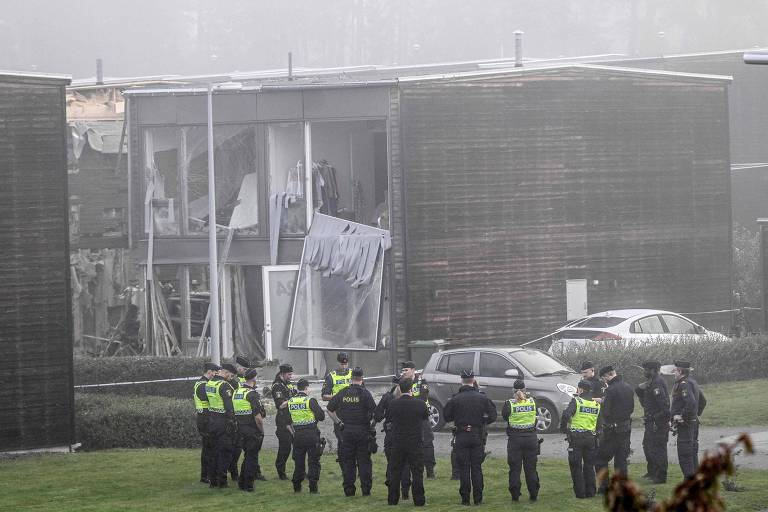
(713, 361)
(117, 421)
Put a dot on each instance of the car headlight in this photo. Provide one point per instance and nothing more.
(566, 388)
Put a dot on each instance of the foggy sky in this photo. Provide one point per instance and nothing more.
(160, 37)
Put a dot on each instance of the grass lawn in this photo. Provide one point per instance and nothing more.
(166, 480)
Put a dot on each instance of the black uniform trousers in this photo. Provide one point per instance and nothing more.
(688, 446)
(523, 453)
(428, 438)
(407, 456)
(469, 453)
(655, 438)
(582, 451)
(355, 457)
(251, 439)
(284, 443)
(405, 475)
(237, 450)
(206, 461)
(223, 441)
(614, 444)
(306, 455)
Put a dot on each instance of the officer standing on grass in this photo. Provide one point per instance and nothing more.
(579, 423)
(307, 446)
(654, 398)
(222, 425)
(588, 374)
(282, 390)
(522, 443)
(616, 422)
(406, 415)
(421, 392)
(352, 410)
(250, 418)
(688, 402)
(242, 364)
(201, 406)
(334, 382)
(470, 411)
(378, 415)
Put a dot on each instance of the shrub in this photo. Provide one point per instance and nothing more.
(713, 361)
(118, 421)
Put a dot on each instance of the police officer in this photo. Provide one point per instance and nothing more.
(307, 447)
(522, 443)
(579, 423)
(250, 419)
(335, 381)
(242, 364)
(406, 415)
(352, 409)
(421, 391)
(470, 411)
(616, 423)
(222, 425)
(688, 402)
(654, 398)
(201, 406)
(282, 390)
(588, 374)
(378, 415)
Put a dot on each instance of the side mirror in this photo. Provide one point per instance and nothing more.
(513, 373)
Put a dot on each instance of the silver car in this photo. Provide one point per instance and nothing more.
(550, 382)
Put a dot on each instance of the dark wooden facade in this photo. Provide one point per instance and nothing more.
(35, 325)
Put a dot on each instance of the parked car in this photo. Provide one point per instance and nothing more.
(550, 382)
(629, 325)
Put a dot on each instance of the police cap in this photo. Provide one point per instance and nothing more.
(251, 374)
(408, 364)
(302, 384)
(286, 368)
(211, 367)
(243, 361)
(467, 374)
(357, 371)
(519, 384)
(683, 364)
(585, 385)
(651, 365)
(606, 369)
(587, 365)
(342, 357)
(229, 367)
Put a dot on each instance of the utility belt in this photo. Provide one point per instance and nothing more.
(520, 429)
(462, 429)
(619, 426)
(310, 426)
(582, 431)
(216, 410)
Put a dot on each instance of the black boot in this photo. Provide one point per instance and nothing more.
(296, 486)
(282, 476)
(431, 473)
(313, 487)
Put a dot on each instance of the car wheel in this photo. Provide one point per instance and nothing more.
(436, 418)
(547, 419)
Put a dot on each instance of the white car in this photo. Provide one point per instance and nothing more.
(629, 325)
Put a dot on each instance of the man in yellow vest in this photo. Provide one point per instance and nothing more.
(242, 364)
(282, 390)
(307, 446)
(579, 423)
(522, 443)
(222, 426)
(421, 392)
(335, 381)
(201, 406)
(250, 424)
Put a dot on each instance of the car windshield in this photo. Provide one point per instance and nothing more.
(539, 363)
(599, 321)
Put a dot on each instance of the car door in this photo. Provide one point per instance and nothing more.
(492, 379)
(447, 376)
(679, 328)
(648, 329)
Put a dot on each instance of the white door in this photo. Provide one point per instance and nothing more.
(575, 298)
(279, 287)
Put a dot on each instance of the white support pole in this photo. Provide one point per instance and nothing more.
(215, 347)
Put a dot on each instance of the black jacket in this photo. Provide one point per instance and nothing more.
(354, 405)
(470, 408)
(280, 393)
(406, 416)
(654, 397)
(618, 404)
(687, 399)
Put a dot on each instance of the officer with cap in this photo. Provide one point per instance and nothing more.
(222, 425)
(654, 398)
(688, 402)
(579, 423)
(201, 406)
(522, 443)
(470, 411)
(307, 447)
(421, 391)
(588, 374)
(242, 364)
(616, 422)
(352, 410)
(378, 415)
(334, 382)
(282, 390)
(250, 418)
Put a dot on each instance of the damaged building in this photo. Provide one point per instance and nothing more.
(460, 205)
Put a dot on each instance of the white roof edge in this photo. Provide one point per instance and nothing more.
(24, 74)
(680, 74)
(689, 55)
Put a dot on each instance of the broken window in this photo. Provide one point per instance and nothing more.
(287, 197)
(161, 178)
